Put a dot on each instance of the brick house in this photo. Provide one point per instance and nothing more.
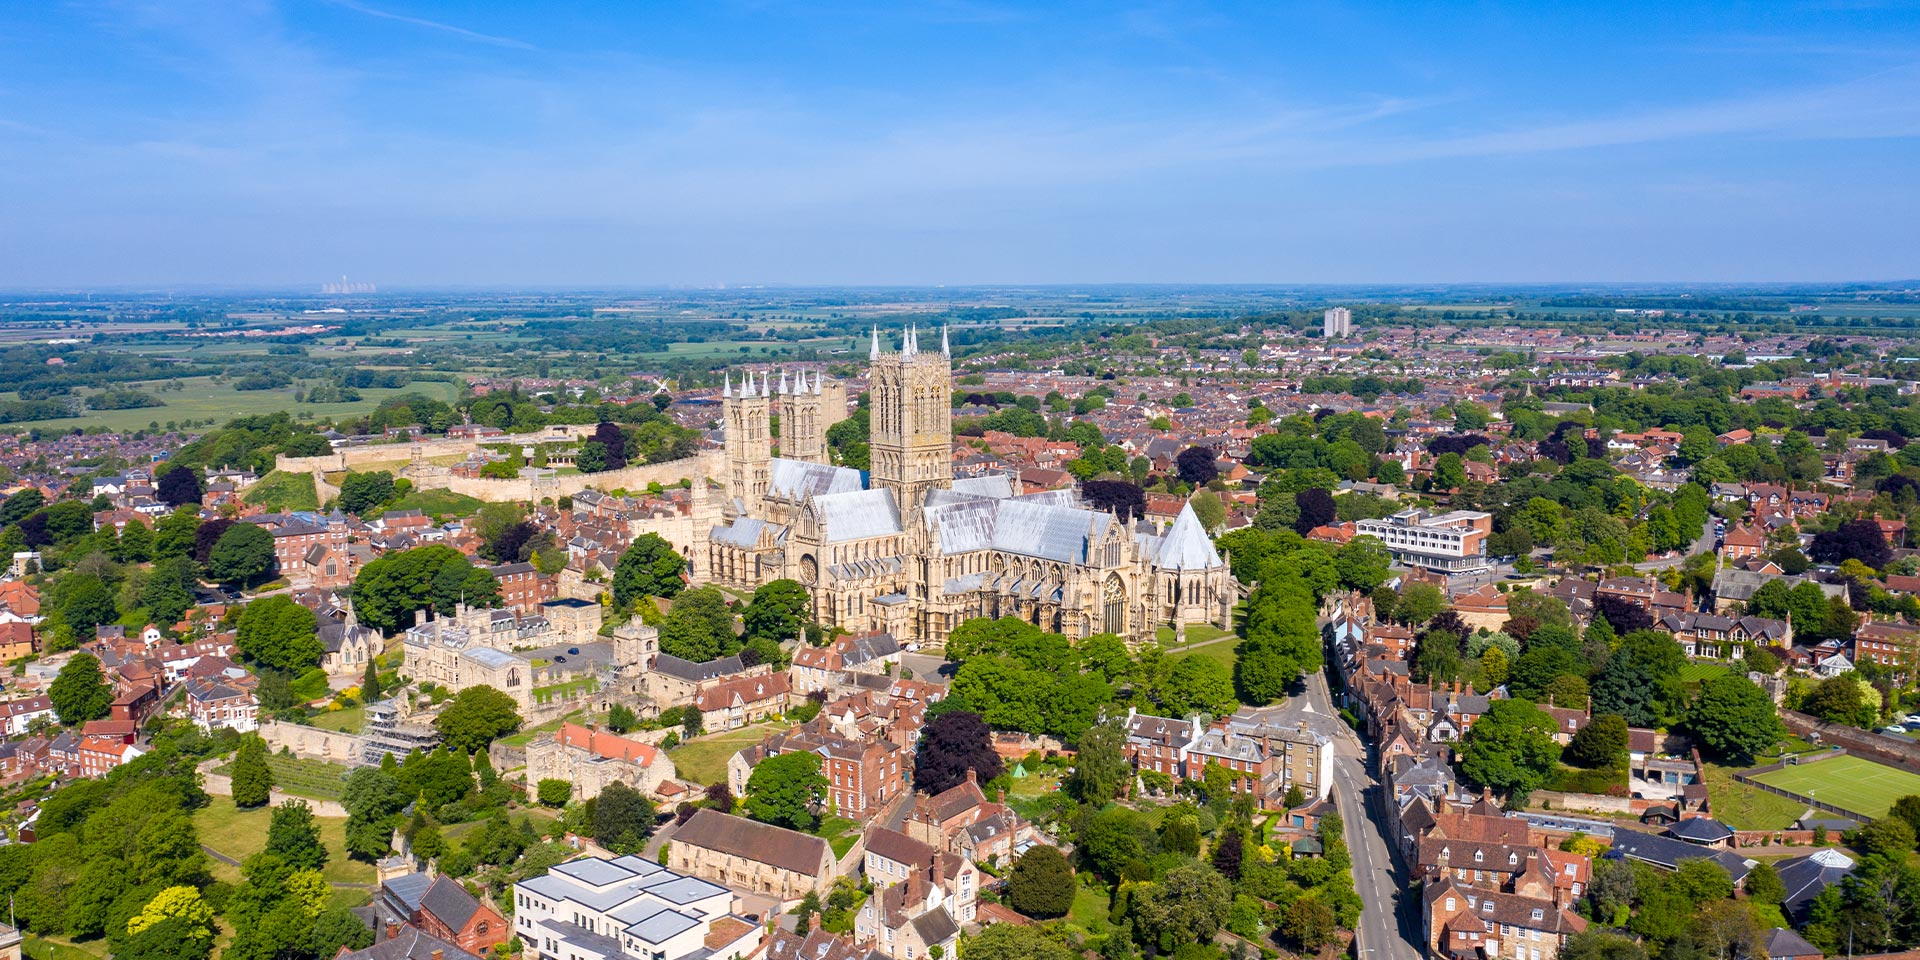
(440, 907)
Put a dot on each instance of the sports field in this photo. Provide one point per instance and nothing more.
(1848, 782)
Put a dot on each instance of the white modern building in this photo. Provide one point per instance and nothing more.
(1336, 322)
(1450, 543)
(628, 909)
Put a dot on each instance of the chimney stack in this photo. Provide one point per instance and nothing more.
(393, 929)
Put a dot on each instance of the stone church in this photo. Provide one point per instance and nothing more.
(908, 549)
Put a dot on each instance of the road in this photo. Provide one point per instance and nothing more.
(1388, 928)
(1703, 544)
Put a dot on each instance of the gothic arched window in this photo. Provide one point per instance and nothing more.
(1115, 597)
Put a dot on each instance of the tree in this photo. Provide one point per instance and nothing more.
(785, 790)
(19, 506)
(1364, 564)
(1208, 509)
(1316, 509)
(621, 718)
(1005, 941)
(554, 792)
(614, 442)
(242, 555)
(178, 486)
(372, 796)
(278, 633)
(650, 567)
(168, 593)
(1597, 944)
(370, 681)
(1763, 884)
(182, 904)
(1511, 748)
(1199, 685)
(778, 611)
(1887, 836)
(623, 818)
(390, 590)
(1418, 603)
(1196, 466)
(365, 493)
(252, 778)
(1601, 743)
(173, 536)
(86, 602)
(952, 744)
(1853, 540)
(1734, 719)
(591, 457)
(1448, 472)
(294, 836)
(1309, 923)
(1041, 884)
(80, 692)
(1100, 764)
(1124, 500)
(1229, 852)
(1189, 905)
(1838, 700)
(477, 717)
(699, 626)
(1907, 808)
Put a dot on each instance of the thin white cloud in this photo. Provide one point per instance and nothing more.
(462, 32)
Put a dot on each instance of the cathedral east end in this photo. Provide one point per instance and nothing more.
(912, 551)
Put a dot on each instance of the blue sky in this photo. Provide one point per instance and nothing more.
(251, 142)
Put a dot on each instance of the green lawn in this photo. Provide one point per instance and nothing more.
(345, 720)
(280, 492)
(1744, 807)
(1089, 910)
(1849, 782)
(242, 833)
(1198, 633)
(1701, 672)
(703, 760)
(1222, 652)
(440, 504)
(839, 832)
(42, 948)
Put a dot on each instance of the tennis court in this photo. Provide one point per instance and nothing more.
(1848, 782)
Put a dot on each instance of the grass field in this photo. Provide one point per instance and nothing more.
(1701, 672)
(242, 833)
(42, 948)
(1849, 782)
(345, 720)
(439, 504)
(704, 760)
(280, 492)
(1746, 807)
(202, 399)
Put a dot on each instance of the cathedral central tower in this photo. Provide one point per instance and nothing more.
(911, 420)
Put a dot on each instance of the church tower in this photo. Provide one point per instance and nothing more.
(911, 430)
(803, 421)
(749, 447)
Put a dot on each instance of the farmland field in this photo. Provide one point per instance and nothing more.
(202, 399)
(1848, 782)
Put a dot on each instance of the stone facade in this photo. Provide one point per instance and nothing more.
(915, 552)
(757, 857)
(590, 759)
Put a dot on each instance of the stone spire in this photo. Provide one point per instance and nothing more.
(874, 352)
(946, 350)
(783, 379)
(907, 346)
(727, 378)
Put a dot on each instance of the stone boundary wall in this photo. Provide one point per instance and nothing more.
(1902, 752)
(313, 743)
(221, 785)
(1549, 801)
(700, 466)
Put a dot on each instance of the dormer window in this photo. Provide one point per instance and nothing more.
(1479, 855)
(1486, 906)
(1538, 913)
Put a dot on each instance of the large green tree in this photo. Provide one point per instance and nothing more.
(623, 818)
(80, 691)
(169, 591)
(778, 611)
(294, 836)
(1006, 941)
(243, 555)
(699, 626)
(1511, 748)
(390, 590)
(372, 798)
(252, 778)
(1199, 685)
(650, 567)
(1100, 764)
(1041, 884)
(1734, 719)
(1189, 905)
(477, 716)
(278, 633)
(786, 790)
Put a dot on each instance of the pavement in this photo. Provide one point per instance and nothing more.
(1389, 926)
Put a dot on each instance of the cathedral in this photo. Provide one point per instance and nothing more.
(908, 549)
